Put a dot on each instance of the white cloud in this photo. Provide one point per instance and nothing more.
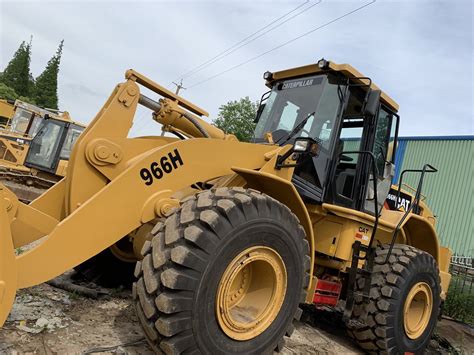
(419, 52)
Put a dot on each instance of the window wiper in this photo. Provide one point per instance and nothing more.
(296, 129)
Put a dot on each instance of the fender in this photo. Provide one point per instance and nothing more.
(285, 192)
(422, 235)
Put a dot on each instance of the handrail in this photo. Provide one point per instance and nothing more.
(412, 205)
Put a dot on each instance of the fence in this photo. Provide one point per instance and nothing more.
(460, 301)
(462, 271)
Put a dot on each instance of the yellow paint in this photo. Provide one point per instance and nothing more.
(109, 195)
(251, 292)
(417, 310)
(6, 109)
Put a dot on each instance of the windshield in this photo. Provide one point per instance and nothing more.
(35, 126)
(44, 146)
(291, 101)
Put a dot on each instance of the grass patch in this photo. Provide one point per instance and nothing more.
(460, 302)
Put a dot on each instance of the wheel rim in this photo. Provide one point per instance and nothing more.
(417, 310)
(251, 292)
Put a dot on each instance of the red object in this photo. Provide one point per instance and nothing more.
(327, 292)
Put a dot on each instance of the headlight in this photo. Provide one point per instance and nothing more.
(301, 146)
(306, 145)
(323, 63)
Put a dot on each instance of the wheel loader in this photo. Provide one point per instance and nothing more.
(35, 145)
(226, 239)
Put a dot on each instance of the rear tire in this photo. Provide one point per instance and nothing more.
(404, 302)
(179, 279)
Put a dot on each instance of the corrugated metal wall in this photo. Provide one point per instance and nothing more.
(450, 191)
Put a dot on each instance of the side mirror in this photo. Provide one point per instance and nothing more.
(259, 113)
(372, 103)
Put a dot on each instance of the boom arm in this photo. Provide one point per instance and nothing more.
(114, 185)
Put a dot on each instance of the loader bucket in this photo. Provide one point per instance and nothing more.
(8, 267)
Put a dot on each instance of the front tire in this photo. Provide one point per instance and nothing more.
(404, 302)
(203, 282)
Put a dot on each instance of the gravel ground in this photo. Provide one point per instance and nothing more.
(48, 320)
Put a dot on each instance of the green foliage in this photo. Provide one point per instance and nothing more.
(460, 303)
(236, 117)
(47, 83)
(7, 92)
(17, 73)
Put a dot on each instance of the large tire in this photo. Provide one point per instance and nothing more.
(180, 275)
(398, 288)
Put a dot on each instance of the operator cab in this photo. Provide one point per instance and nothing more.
(353, 125)
(53, 142)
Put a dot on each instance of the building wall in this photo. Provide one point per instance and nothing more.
(449, 192)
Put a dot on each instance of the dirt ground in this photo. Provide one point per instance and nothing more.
(48, 320)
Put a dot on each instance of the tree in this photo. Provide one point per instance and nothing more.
(47, 83)
(236, 117)
(7, 92)
(17, 73)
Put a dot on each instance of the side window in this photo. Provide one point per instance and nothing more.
(383, 150)
(71, 137)
(383, 132)
(349, 140)
(20, 120)
(35, 125)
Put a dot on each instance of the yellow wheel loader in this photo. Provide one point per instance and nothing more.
(35, 145)
(227, 238)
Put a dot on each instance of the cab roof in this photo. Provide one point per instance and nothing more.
(345, 69)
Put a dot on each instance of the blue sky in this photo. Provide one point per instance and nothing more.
(419, 52)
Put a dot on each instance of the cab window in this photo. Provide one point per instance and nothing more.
(71, 138)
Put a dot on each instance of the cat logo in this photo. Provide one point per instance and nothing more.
(404, 201)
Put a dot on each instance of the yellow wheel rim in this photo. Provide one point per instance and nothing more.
(417, 310)
(251, 292)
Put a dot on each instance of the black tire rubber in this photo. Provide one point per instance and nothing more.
(383, 331)
(178, 277)
(106, 270)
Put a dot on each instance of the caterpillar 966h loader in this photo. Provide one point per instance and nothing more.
(230, 237)
(35, 145)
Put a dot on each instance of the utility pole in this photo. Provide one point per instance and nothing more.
(179, 86)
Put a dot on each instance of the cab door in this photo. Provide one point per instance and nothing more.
(383, 147)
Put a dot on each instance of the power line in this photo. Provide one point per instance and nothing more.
(245, 41)
(283, 44)
(179, 86)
